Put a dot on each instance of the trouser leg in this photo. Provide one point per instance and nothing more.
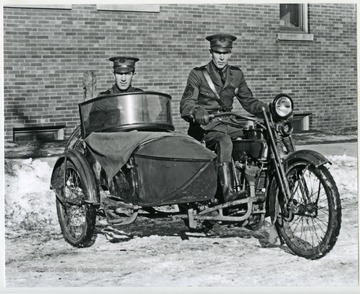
(223, 145)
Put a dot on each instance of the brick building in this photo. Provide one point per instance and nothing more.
(308, 51)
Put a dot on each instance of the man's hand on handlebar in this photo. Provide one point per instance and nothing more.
(202, 116)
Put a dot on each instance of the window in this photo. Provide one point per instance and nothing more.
(294, 22)
(293, 17)
(45, 134)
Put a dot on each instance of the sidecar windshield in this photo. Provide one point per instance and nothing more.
(124, 112)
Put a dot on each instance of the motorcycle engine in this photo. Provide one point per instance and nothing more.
(250, 149)
(249, 154)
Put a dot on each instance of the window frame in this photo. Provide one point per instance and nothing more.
(301, 34)
(303, 20)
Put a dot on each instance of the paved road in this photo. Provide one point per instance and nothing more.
(349, 149)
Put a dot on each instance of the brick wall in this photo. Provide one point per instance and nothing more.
(47, 51)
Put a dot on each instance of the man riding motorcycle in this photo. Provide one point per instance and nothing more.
(211, 89)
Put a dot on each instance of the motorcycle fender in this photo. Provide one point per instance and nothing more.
(83, 167)
(310, 156)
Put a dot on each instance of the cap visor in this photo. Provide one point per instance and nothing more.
(123, 70)
(221, 49)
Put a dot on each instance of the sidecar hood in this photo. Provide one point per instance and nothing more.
(169, 168)
(175, 169)
(113, 150)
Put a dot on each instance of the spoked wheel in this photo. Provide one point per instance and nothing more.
(76, 217)
(312, 221)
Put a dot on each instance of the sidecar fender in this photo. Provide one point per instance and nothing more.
(311, 156)
(83, 168)
(57, 175)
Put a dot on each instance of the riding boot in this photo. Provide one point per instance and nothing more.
(226, 177)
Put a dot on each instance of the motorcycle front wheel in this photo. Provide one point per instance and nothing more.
(312, 222)
(76, 217)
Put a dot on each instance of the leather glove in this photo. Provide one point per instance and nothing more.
(201, 116)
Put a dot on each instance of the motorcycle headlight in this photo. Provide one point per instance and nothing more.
(282, 107)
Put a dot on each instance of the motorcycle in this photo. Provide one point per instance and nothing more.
(126, 158)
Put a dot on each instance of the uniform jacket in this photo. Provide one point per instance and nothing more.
(198, 93)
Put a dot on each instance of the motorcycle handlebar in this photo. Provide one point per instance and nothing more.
(221, 114)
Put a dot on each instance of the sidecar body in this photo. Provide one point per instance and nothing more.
(127, 143)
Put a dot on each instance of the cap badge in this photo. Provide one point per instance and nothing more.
(122, 60)
(222, 39)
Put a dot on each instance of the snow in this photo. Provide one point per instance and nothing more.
(29, 204)
(156, 259)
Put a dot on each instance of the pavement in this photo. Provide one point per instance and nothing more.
(328, 143)
(331, 149)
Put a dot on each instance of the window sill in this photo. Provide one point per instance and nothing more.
(39, 6)
(130, 7)
(291, 36)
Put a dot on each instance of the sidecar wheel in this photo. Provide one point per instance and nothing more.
(312, 228)
(76, 217)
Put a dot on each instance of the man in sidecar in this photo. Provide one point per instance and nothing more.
(124, 71)
(105, 112)
(211, 89)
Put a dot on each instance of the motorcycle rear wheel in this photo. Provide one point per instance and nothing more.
(312, 228)
(76, 217)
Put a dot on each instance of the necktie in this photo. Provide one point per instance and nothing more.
(222, 76)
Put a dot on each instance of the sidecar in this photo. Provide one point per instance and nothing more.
(125, 155)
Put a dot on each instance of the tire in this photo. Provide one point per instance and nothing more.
(311, 230)
(76, 217)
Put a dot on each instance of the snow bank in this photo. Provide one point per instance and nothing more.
(30, 204)
(344, 170)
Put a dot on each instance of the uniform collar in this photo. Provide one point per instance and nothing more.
(224, 69)
(215, 76)
(117, 90)
(214, 68)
